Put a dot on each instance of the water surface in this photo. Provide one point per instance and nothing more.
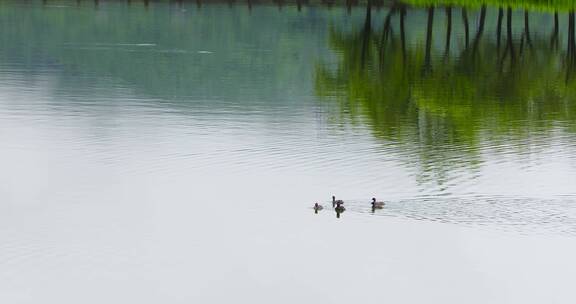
(172, 152)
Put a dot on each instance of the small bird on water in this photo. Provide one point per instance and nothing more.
(377, 205)
(336, 202)
(339, 209)
(317, 207)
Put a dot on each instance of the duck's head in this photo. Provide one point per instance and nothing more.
(333, 198)
(373, 200)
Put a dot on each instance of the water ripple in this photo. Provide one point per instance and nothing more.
(551, 216)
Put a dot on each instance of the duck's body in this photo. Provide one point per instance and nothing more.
(336, 202)
(339, 209)
(377, 205)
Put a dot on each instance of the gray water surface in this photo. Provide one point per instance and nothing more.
(173, 154)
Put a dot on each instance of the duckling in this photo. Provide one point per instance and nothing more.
(317, 207)
(336, 202)
(377, 205)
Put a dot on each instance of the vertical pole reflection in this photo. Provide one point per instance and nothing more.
(349, 6)
(569, 40)
(481, 23)
(527, 28)
(386, 29)
(554, 38)
(403, 32)
(499, 28)
(510, 42)
(448, 31)
(366, 34)
(480, 30)
(466, 26)
(429, 38)
(571, 47)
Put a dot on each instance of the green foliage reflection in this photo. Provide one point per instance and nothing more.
(441, 90)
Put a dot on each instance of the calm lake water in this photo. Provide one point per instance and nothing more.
(172, 153)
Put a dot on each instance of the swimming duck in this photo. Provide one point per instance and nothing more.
(339, 208)
(377, 205)
(318, 207)
(336, 202)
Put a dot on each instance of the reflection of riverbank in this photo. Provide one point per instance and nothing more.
(457, 89)
(533, 5)
(184, 58)
(503, 76)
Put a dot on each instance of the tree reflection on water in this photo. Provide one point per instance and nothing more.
(444, 95)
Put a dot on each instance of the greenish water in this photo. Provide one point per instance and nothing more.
(450, 95)
(172, 152)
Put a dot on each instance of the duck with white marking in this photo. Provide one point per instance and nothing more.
(377, 205)
(339, 209)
